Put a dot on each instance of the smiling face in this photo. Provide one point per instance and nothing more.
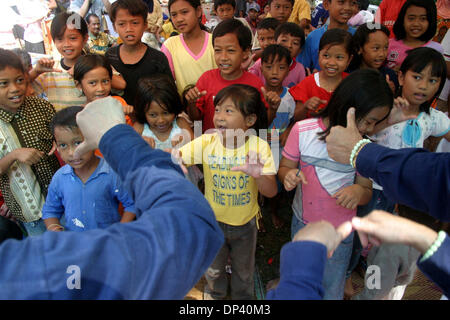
(419, 87)
(341, 10)
(375, 50)
(70, 45)
(415, 22)
(228, 118)
(184, 17)
(67, 140)
(13, 87)
(275, 72)
(130, 28)
(158, 118)
(367, 124)
(333, 60)
(229, 55)
(96, 84)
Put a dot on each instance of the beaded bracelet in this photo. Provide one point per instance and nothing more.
(435, 246)
(356, 148)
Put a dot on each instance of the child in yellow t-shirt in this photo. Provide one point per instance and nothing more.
(237, 165)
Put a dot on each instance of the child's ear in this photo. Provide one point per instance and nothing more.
(401, 78)
(250, 120)
(199, 12)
(349, 60)
(246, 54)
(326, 4)
(78, 85)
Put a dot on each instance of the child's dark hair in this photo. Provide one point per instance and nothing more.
(364, 89)
(243, 34)
(67, 19)
(88, 17)
(268, 23)
(10, 59)
(248, 100)
(430, 7)
(335, 37)
(159, 88)
(360, 38)
(65, 118)
(88, 62)
(275, 52)
(291, 29)
(291, 1)
(195, 4)
(218, 3)
(134, 7)
(24, 57)
(417, 60)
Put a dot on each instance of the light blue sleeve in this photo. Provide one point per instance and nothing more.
(53, 206)
(440, 123)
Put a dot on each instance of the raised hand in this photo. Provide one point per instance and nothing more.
(28, 156)
(272, 98)
(293, 178)
(194, 94)
(401, 111)
(45, 65)
(313, 103)
(253, 166)
(340, 141)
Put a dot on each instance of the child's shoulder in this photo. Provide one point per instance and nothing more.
(36, 103)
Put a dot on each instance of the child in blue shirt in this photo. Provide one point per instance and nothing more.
(340, 12)
(86, 190)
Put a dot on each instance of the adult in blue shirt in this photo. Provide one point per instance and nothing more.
(161, 255)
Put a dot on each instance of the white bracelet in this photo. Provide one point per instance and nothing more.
(356, 148)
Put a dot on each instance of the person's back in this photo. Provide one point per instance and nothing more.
(133, 58)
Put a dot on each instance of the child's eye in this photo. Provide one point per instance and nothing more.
(3, 83)
(77, 143)
(106, 81)
(92, 83)
(433, 81)
(20, 80)
(62, 145)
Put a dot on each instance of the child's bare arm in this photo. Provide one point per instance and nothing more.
(267, 185)
(25, 155)
(191, 97)
(43, 65)
(118, 82)
(355, 195)
(127, 217)
(300, 111)
(53, 224)
(289, 174)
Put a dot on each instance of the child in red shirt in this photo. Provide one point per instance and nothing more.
(313, 93)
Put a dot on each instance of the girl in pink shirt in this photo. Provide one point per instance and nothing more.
(415, 27)
(327, 190)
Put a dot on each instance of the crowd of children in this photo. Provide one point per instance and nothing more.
(266, 92)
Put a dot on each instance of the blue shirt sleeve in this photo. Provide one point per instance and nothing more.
(300, 279)
(437, 267)
(413, 177)
(121, 194)
(53, 206)
(161, 255)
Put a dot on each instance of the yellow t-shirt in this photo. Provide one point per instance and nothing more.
(186, 66)
(233, 195)
(301, 10)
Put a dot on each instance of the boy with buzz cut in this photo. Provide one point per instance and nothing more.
(340, 12)
(133, 59)
(231, 41)
(292, 37)
(265, 35)
(86, 190)
(225, 10)
(280, 9)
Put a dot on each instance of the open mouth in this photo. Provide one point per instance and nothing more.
(16, 99)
